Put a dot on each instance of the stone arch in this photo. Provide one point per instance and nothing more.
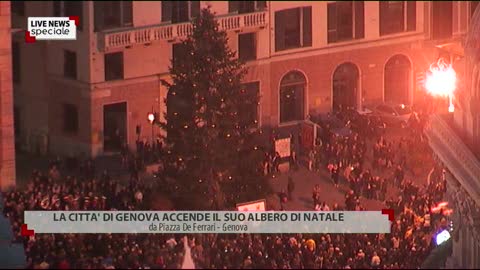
(345, 86)
(397, 79)
(292, 96)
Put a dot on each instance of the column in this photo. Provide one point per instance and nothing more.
(7, 140)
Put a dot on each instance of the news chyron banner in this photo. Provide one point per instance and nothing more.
(208, 222)
(51, 28)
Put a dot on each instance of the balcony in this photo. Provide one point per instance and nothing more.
(168, 32)
(459, 159)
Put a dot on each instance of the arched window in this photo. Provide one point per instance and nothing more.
(292, 97)
(345, 86)
(397, 79)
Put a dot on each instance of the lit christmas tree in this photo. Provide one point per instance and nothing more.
(213, 156)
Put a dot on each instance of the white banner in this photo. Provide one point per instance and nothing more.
(207, 222)
(282, 146)
(252, 206)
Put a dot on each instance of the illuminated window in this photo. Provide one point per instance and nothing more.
(293, 28)
(345, 21)
(292, 97)
(397, 16)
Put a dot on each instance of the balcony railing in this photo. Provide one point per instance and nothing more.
(459, 159)
(144, 35)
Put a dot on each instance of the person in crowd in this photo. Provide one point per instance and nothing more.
(294, 161)
(335, 175)
(316, 195)
(276, 162)
(290, 188)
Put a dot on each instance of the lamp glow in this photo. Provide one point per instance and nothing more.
(151, 118)
(442, 237)
(441, 81)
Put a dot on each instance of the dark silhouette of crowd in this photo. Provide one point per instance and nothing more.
(410, 238)
(345, 156)
(406, 247)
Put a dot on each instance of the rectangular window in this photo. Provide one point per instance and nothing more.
(57, 8)
(345, 21)
(249, 112)
(180, 11)
(293, 28)
(114, 66)
(442, 23)
(359, 14)
(167, 11)
(261, 5)
(16, 62)
(18, 7)
(232, 6)
(397, 17)
(247, 49)
(178, 53)
(67, 9)
(74, 8)
(70, 118)
(246, 7)
(112, 14)
(411, 15)
(70, 64)
(241, 7)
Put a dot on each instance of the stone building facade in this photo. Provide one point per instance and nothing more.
(7, 140)
(104, 84)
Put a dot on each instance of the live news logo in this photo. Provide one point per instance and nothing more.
(51, 28)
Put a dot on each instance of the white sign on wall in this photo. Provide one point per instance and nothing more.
(252, 206)
(282, 146)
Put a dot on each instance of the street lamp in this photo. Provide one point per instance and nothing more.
(151, 117)
(442, 81)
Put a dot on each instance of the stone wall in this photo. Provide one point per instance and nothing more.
(7, 141)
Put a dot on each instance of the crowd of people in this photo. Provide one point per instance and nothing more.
(345, 157)
(410, 237)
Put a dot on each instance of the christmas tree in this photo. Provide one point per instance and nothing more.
(213, 156)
